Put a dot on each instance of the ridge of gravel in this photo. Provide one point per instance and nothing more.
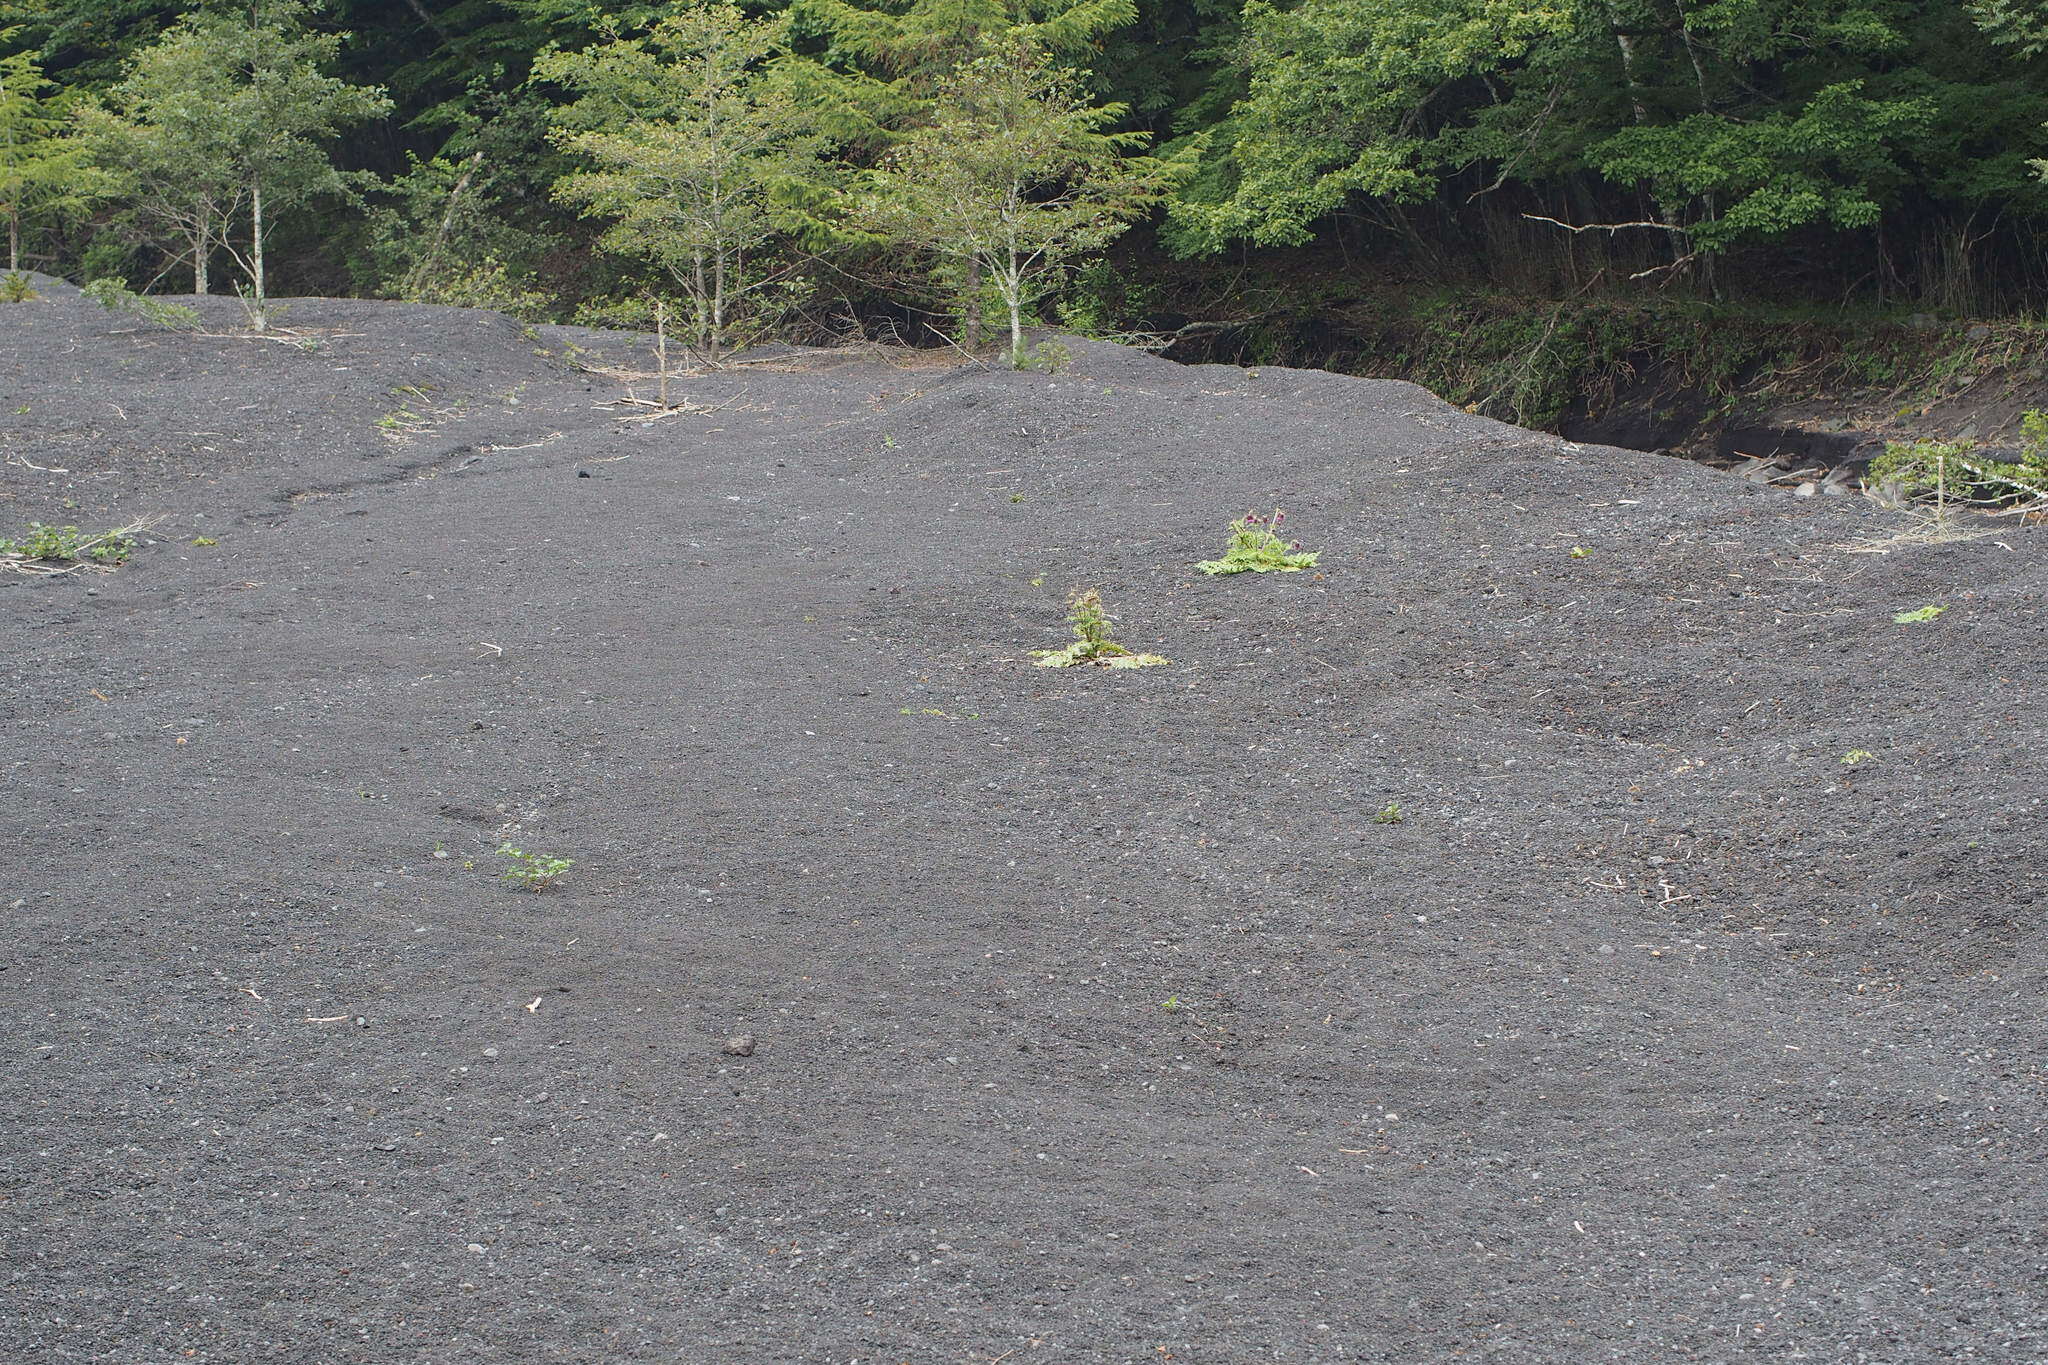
(1091, 1015)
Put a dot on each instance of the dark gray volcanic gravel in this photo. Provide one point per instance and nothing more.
(1656, 1031)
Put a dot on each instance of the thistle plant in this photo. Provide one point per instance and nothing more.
(1092, 642)
(1256, 547)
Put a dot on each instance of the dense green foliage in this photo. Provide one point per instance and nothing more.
(1883, 151)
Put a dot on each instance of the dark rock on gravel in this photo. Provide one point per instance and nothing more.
(764, 678)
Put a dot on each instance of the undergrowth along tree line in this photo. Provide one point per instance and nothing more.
(815, 163)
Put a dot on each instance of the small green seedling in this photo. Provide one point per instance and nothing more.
(21, 411)
(1391, 815)
(1908, 618)
(204, 540)
(1092, 644)
(1855, 756)
(1171, 1002)
(16, 287)
(533, 871)
(1255, 547)
(1580, 552)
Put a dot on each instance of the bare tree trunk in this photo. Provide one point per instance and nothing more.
(1013, 295)
(258, 319)
(661, 347)
(13, 242)
(202, 250)
(1625, 41)
(717, 305)
(970, 309)
(1699, 82)
(431, 261)
(700, 302)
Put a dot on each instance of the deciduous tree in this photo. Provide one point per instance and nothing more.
(687, 140)
(44, 171)
(1015, 174)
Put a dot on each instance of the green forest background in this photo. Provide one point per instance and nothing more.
(1486, 163)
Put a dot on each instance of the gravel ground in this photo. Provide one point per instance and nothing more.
(906, 1002)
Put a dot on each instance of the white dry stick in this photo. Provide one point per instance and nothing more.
(534, 1006)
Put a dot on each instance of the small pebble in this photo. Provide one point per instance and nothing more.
(1607, 950)
(740, 1045)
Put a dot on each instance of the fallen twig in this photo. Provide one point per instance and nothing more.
(659, 410)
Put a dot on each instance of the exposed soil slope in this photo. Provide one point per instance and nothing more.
(1655, 1031)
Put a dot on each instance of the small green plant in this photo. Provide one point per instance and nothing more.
(15, 287)
(1392, 814)
(1580, 552)
(1255, 547)
(1908, 618)
(57, 549)
(533, 871)
(1047, 357)
(1171, 1002)
(204, 540)
(117, 297)
(1855, 756)
(1092, 642)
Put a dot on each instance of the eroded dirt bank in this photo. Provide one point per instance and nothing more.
(1658, 1029)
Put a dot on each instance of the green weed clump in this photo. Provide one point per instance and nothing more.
(533, 871)
(1092, 642)
(119, 298)
(59, 549)
(1944, 472)
(16, 287)
(1256, 547)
